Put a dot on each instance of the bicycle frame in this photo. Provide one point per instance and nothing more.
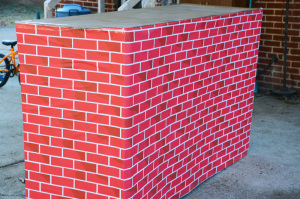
(12, 59)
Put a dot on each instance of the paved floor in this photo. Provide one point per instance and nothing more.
(270, 171)
(11, 136)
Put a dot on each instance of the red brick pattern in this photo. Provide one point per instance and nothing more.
(271, 43)
(147, 112)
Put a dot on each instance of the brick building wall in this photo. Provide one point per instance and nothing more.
(271, 43)
(110, 5)
(148, 112)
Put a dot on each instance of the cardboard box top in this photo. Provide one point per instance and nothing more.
(139, 17)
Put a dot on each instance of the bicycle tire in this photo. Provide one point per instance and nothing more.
(12, 74)
(4, 65)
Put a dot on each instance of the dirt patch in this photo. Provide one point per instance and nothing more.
(18, 12)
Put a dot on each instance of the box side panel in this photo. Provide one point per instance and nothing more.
(193, 87)
(72, 86)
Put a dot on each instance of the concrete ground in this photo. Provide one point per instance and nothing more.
(11, 136)
(271, 170)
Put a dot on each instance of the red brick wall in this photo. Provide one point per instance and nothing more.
(110, 5)
(148, 112)
(271, 43)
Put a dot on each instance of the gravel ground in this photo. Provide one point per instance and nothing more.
(270, 170)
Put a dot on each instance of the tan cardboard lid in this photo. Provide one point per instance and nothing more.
(139, 17)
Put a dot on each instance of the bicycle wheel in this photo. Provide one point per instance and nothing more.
(3, 75)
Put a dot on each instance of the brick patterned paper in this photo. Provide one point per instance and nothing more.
(146, 112)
